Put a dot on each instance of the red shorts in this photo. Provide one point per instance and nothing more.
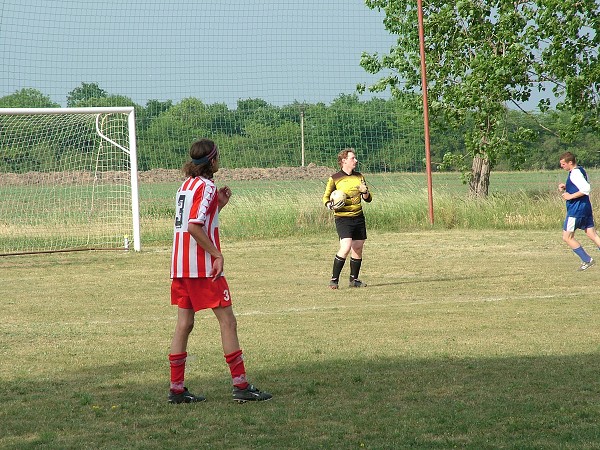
(200, 293)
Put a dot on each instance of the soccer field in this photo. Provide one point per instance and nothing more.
(463, 338)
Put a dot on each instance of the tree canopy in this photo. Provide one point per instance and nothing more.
(482, 55)
(387, 133)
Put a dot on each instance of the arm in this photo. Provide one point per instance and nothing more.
(364, 191)
(197, 232)
(328, 190)
(580, 182)
(223, 196)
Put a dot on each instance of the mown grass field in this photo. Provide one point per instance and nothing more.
(464, 338)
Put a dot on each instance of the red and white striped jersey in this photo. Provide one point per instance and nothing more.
(196, 202)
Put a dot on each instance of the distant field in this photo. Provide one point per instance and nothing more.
(274, 208)
(266, 208)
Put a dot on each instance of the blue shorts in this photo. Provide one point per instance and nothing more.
(582, 223)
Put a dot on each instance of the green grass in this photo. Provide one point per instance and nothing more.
(265, 209)
(274, 209)
(463, 339)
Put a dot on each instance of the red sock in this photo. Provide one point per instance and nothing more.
(235, 360)
(177, 362)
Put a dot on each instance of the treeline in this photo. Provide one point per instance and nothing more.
(387, 133)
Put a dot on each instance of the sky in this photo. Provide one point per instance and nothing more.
(219, 51)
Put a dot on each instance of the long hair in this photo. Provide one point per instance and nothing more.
(202, 152)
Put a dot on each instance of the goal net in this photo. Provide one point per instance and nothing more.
(68, 179)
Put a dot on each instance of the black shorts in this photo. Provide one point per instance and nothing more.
(351, 227)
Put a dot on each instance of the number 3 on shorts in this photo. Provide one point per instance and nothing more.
(226, 295)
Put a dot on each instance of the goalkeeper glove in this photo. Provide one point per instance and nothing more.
(362, 188)
(337, 205)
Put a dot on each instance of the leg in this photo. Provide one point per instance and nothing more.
(593, 235)
(183, 328)
(228, 327)
(339, 261)
(345, 246)
(242, 390)
(231, 345)
(357, 249)
(356, 262)
(569, 238)
(177, 358)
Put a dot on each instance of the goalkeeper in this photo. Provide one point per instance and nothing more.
(349, 218)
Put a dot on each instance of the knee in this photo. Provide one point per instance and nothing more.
(345, 248)
(185, 327)
(357, 247)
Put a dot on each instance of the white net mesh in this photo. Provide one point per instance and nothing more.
(62, 185)
(273, 83)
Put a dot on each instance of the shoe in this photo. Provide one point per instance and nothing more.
(356, 283)
(587, 265)
(333, 284)
(250, 394)
(185, 397)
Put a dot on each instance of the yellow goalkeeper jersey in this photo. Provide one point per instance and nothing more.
(349, 184)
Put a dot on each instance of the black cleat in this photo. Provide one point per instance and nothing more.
(185, 397)
(250, 394)
(356, 283)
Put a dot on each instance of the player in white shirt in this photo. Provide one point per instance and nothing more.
(576, 193)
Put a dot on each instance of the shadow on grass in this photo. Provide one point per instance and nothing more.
(509, 402)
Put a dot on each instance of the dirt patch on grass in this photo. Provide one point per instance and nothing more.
(310, 172)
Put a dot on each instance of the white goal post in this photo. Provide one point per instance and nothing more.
(68, 180)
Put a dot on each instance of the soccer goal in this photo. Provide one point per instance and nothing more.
(68, 180)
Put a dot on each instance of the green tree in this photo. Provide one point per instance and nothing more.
(83, 93)
(27, 98)
(482, 55)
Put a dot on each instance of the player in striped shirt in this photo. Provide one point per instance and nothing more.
(576, 192)
(197, 273)
(349, 219)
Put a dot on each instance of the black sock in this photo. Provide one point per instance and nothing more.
(338, 265)
(354, 268)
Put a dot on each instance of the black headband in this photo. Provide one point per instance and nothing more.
(213, 153)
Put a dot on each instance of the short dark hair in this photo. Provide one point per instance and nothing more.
(568, 157)
(344, 154)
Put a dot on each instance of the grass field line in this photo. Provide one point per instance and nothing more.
(413, 303)
(361, 306)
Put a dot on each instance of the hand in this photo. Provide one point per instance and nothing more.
(338, 205)
(562, 187)
(223, 195)
(363, 188)
(217, 267)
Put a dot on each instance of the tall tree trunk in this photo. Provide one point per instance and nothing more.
(480, 177)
